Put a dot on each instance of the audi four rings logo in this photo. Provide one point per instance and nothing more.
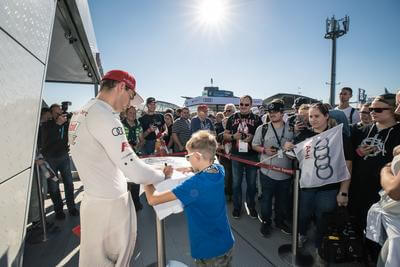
(323, 159)
(117, 131)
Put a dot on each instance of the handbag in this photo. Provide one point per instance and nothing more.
(341, 242)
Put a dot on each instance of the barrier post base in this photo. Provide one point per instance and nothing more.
(171, 263)
(301, 259)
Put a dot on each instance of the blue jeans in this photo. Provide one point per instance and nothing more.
(314, 201)
(63, 165)
(238, 169)
(149, 147)
(278, 189)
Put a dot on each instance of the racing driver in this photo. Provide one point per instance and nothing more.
(105, 163)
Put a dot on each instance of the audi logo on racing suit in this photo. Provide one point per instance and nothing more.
(117, 131)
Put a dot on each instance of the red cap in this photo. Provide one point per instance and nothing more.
(121, 76)
(202, 108)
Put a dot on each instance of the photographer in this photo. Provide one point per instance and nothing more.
(55, 151)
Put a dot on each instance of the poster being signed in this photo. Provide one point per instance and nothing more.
(166, 209)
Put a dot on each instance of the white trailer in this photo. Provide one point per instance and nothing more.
(40, 41)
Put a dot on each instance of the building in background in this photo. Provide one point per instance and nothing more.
(215, 99)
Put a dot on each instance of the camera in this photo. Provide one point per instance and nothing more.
(64, 108)
(243, 136)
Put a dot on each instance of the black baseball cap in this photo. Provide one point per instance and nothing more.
(149, 100)
(275, 106)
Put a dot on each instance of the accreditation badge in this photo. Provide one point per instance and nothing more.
(243, 146)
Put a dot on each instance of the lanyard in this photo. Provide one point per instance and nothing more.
(276, 135)
(61, 130)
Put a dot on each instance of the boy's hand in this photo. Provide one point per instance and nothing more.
(185, 169)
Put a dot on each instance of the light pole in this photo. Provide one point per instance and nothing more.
(334, 29)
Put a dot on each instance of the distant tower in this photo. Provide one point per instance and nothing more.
(212, 81)
(333, 31)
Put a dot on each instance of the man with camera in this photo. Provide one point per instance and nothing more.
(274, 184)
(55, 151)
(240, 129)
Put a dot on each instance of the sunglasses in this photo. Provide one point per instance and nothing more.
(228, 110)
(243, 104)
(131, 96)
(378, 110)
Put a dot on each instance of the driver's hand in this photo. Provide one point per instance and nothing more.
(168, 170)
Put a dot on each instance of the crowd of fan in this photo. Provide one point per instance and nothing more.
(370, 134)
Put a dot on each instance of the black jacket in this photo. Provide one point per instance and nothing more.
(54, 139)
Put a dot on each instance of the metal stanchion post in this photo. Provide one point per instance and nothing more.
(41, 205)
(161, 259)
(160, 243)
(289, 252)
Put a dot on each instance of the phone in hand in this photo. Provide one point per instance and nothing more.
(300, 119)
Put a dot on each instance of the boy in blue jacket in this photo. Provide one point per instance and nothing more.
(203, 199)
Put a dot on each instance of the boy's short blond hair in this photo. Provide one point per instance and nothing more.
(204, 143)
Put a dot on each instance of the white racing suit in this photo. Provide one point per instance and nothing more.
(105, 163)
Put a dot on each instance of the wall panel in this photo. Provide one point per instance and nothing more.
(12, 217)
(29, 22)
(21, 77)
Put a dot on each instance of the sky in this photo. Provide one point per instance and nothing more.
(255, 47)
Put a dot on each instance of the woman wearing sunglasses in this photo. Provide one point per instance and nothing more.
(373, 145)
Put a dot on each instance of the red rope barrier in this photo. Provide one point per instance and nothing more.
(177, 154)
(258, 164)
(231, 157)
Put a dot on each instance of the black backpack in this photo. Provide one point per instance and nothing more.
(341, 242)
(264, 132)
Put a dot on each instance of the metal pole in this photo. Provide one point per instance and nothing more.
(333, 73)
(41, 205)
(160, 242)
(295, 213)
(289, 253)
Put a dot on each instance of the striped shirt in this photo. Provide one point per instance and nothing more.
(182, 129)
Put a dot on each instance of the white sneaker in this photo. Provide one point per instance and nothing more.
(301, 240)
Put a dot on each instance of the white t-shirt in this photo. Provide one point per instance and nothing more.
(102, 155)
(347, 112)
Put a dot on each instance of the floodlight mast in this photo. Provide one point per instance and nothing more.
(334, 29)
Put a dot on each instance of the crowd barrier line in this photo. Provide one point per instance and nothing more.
(231, 157)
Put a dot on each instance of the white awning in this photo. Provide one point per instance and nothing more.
(74, 56)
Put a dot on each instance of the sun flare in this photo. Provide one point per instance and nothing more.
(211, 18)
(212, 12)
